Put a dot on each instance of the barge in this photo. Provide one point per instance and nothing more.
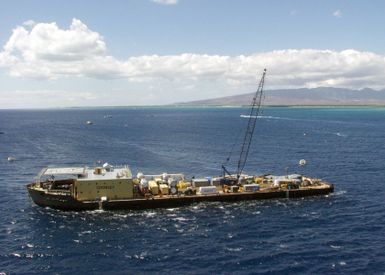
(109, 188)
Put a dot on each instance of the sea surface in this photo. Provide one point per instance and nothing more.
(341, 233)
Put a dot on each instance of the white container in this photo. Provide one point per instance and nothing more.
(250, 187)
(144, 183)
(200, 182)
(208, 190)
(216, 181)
(276, 183)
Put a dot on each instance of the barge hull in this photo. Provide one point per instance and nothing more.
(58, 201)
(68, 203)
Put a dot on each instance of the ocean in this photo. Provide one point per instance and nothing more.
(341, 233)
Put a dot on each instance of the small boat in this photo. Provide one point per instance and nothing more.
(11, 159)
(89, 122)
(108, 187)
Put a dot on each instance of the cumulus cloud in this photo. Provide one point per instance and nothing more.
(46, 51)
(37, 52)
(166, 2)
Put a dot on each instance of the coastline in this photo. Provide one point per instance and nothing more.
(171, 106)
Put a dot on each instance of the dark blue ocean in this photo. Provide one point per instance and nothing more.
(342, 233)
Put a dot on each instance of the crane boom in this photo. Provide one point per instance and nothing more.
(254, 113)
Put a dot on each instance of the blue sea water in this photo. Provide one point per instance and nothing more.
(342, 233)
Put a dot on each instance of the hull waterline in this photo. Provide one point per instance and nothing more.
(68, 203)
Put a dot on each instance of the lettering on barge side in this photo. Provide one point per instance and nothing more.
(105, 187)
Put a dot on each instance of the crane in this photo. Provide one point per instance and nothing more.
(255, 111)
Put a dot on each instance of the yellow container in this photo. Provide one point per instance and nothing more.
(153, 186)
(182, 185)
(164, 190)
(283, 185)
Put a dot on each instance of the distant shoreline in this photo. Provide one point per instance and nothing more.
(282, 106)
(191, 106)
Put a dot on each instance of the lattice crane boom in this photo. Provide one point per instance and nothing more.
(255, 111)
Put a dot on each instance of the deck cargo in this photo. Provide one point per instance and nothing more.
(153, 186)
(200, 182)
(206, 190)
(164, 189)
(251, 187)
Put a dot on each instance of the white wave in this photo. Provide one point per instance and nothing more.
(342, 192)
(273, 117)
(150, 214)
(265, 117)
(340, 135)
(236, 249)
(95, 211)
(248, 116)
(141, 256)
(121, 215)
(181, 219)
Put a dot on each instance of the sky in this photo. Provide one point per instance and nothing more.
(150, 52)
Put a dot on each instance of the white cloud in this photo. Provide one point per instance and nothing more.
(29, 23)
(166, 2)
(48, 52)
(48, 42)
(337, 14)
